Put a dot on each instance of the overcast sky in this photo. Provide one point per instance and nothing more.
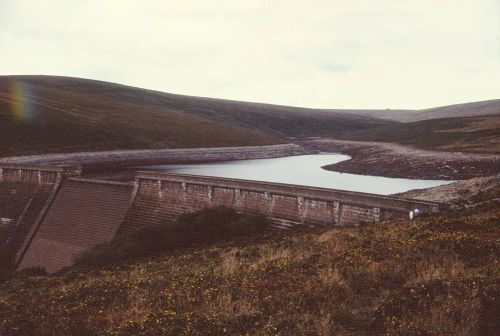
(332, 53)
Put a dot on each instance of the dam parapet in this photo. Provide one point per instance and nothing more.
(24, 173)
(167, 195)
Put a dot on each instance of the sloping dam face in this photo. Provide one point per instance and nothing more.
(48, 217)
(84, 214)
(25, 193)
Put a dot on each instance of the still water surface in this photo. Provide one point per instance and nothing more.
(302, 170)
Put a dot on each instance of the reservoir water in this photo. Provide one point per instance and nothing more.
(301, 170)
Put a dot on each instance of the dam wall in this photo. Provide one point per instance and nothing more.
(36, 174)
(25, 194)
(162, 196)
(84, 214)
(49, 215)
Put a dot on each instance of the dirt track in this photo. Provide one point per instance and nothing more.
(392, 160)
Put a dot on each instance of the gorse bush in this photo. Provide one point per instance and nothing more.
(6, 268)
(30, 271)
(221, 223)
(206, 226)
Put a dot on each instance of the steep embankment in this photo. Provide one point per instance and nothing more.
(433, 276)
(41, 114)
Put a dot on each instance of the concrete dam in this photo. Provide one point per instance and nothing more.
(50, 214)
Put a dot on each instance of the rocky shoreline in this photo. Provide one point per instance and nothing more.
(393, 160)
(459, 192)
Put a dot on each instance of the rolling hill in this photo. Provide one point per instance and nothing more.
(40, 114)
(45, 114)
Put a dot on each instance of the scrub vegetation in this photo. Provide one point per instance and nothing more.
(200, 228)
(436, 275)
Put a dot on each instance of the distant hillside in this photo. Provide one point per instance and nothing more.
(474, 109)
(480, 108)
(60, 114)
(466, 134)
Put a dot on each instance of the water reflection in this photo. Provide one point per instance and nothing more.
(302, 170)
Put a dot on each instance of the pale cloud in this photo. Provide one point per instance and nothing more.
(332, 54)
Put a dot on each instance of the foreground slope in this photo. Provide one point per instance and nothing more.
(40, 114)
(432, 276)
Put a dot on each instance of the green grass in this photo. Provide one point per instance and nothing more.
(437, 275)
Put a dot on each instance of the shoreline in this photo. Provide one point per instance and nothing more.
(367, 158)
(398, 161)
(92, 162)
(473, 172)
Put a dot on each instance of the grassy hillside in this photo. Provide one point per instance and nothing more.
(471, 134)
(433, 276)
(41, 114)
